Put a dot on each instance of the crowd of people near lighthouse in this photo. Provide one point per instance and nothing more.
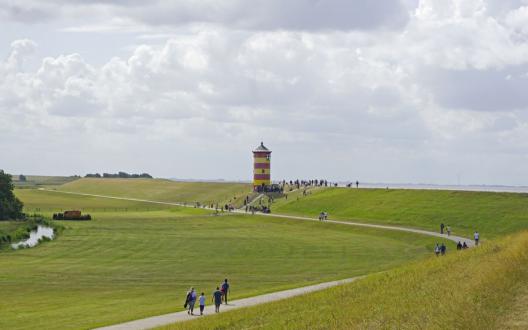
(218, 297)
(309, 183)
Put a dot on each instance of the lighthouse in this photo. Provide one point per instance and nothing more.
(261, 167)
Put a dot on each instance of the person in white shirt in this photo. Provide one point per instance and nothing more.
(476, 236)
(202, 303)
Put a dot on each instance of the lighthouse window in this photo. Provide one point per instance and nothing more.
(263, 171)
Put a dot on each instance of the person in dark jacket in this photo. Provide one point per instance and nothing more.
(217, 299)
(225, 290)
(443, 249)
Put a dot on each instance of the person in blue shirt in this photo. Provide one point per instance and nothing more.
(191, 300)
(217, 299)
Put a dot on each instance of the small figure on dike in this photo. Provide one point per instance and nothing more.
(476, 236)
(442, 228)
(357, 184)
(448, 230)
(443, 249)
(437, 249)
(464, 246)
(459, 246)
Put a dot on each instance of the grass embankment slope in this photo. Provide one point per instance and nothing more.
(128, 265)
(33, 181)
(492, 214)
(47, 203)
(474, 289)
(161, 189)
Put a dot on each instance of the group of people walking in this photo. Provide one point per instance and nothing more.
(323, 216)
(441, 249)
(447, 229)
(219, 296)
(461, 246)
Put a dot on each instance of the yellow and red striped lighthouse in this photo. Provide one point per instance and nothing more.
(261, 166)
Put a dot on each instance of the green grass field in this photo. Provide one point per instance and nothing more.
(128, 265)
(137, 259)
(475, 289)
(492, 214)
(161, 189)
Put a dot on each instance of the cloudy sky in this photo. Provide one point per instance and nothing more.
(422, 91)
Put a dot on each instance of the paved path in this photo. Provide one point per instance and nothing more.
(161, 320)
(156, 321)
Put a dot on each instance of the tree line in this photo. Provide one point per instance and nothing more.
(123, 175)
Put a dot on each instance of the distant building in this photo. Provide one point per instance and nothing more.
(261, 167)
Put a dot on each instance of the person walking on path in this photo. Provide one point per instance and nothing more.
(443, 249)
(187, 298)
(437, 249)
(459, 246)
(217, 299)
(225, 289)
(476, 236)
(191, 300)
(448, 230)
(357, 184)
(441, 228)
(202, 303)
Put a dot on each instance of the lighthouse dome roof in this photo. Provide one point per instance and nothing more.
(261, 147)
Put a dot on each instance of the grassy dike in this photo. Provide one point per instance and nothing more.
(492, 214)
(474, 289)
(161, 189)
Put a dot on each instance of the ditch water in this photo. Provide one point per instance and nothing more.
(34, 237)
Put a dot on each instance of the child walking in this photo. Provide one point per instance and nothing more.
(202, 303)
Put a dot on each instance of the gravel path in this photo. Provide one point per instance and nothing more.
(156, 321)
